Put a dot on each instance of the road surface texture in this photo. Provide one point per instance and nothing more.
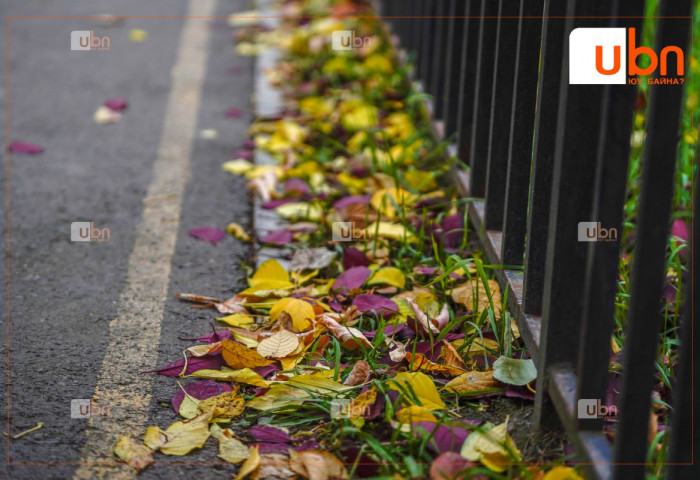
(85, 317)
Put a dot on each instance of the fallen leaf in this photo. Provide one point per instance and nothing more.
(359, 374)
(104, 115)
(273, 466)
(266, 433)
(388, 276)
(138, 35)
(352, 278)
(475, 296)
(350, 338)
(514, 371)
(278, 396)
(270, 276)
(448, 466)
(243, 375)
(302, 312)
(117, 104)
(230, 448)
(417, 387)
(134, 453)
(451, 357)
(225, 405)
(234, 113)
(25, 147)
(184, 436)
(317, 465)
(562, 473)
(200, 390)
(493, 447)
(250, 465)
(237, 320)
(312, 258)
(239, 356)
(238, 232)
(375, 303)
(415, 413)
(472, 383)
(279, 345)
(419, 361)
(208, 234)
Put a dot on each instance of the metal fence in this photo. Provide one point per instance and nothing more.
(543, 156)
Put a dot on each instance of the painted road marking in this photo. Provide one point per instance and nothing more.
(134, 335)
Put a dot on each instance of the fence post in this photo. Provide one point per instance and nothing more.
(465, 109)
(653, 215)
(572, 183)
(453, 69)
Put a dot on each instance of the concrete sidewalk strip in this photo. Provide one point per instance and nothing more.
(134, 334)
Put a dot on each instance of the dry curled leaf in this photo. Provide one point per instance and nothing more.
(225, 405)
(450, 356)
(349, 337)
(419, 361)
(279, 345)
(317, 465)
(134, 453)
(360, 374)
(472, 383)
(473, 293)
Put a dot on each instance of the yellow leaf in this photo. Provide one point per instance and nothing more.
(279, 395)
(302, 312)
(279, 345)
(477, 346)
(473, 383)
(415, 413)
(237, 231)
(387, 200)
(225, 405)
(230, 448)
(388, 276)
(134, 453)
(184, 436)
(420, 362)
(272, 275)
(238, 166)
(250, 465)
(300, 211)
(562, 473)
(243, 375)
(318, 384)
(393, 231)
(237, 320)
(138, 35)
(474, 293)
(362, 403)
(418, 385)
(491, 447)
(239, 356)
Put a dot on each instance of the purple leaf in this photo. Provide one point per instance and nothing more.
(244, 154)
(25, 147)
(208, 362)
(278, 237)
(267, 370)
(309, 444)
(117, 104)
(448, 467)
(344, 202)
(271, 447)
(680, 229)
(377, 303)
(296, 186)
(352, 278)
(201, 391)
(265, 433)
(445, 438)
(208, 234)
(352, 257)
(272, 204)
(234, 113)
(213, 337)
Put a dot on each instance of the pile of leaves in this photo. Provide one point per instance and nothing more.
(380, 349)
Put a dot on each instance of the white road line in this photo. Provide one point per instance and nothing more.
(134, 335)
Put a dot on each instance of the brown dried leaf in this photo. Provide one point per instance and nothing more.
(472, 382)
(464, 294)
(273, 466)
(419, 361)
(317, 465)
(350, 338)
(360, 374)
(450, 356)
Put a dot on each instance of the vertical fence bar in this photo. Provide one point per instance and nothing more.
(428, 40)
(453, 69)
(465, 107)
(572, 183)
(551, 58)
(608, 204)
(653, 215)
(478, 157)
(500, 114)
(682, 447)
(440, 56)
(521, 132)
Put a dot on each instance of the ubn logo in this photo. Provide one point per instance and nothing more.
(86, 408)
(344, 408)
(596, 56)
(347, 40)
(86, 232)
(346, 232)
(589, 408)
(87, 40)
(594, 232)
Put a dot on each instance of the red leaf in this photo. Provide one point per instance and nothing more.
(208, 234)
(25, 147)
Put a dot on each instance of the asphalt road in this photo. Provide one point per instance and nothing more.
(63, 296)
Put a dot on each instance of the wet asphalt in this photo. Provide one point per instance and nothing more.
(63, 294)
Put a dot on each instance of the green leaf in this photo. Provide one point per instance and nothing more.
(514, 371)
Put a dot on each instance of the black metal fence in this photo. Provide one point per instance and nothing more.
(545, 155)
